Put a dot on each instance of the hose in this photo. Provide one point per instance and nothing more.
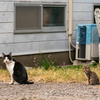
(70, 53)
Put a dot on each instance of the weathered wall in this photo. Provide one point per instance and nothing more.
(21, 44)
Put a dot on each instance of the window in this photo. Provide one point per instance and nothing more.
(39, 18)
(27, 18)
(53, 16)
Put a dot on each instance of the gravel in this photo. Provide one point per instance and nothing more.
(49, 91)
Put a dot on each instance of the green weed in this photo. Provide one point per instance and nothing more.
(46, 63)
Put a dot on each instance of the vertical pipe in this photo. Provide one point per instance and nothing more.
(70, 27)
(70, 18)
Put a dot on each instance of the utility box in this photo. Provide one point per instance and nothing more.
(87, 40)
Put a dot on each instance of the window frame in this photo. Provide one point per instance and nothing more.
(56, 28)
(43, 29)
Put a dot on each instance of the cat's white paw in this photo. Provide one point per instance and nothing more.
(11, 83)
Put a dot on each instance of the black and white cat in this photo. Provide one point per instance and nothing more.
(16, 69)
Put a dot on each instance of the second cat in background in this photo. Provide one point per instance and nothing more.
(91, 76)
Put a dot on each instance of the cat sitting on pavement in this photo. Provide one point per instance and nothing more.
(16, 69)
(91, 76)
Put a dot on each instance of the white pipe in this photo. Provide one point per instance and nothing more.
(70, 18)
(70, 28)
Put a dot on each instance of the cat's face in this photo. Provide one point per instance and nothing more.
(86, 69)
(7, 58)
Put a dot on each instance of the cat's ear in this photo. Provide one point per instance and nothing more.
(3, 55)
(10, 54)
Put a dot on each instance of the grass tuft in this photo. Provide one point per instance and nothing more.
(61, 75)
(4, 75)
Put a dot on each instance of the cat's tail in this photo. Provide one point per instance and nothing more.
(27, 82)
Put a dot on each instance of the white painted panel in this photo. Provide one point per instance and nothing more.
(82, 7)
(20, 48)
(40, 37)
(6, 6)
(23, 48)
(34, 47)
(51, 0)
(26, 37)
(83, 16)
(87, 1)
(6, 27)
(54, 46)
(6, 38)
(81, 1)
(39, 0)
(67, 11)
(6, 16)
(74, 35)
(74, 42)
(54, 36)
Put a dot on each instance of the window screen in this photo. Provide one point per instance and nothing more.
(28, 17)
(53, 16)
